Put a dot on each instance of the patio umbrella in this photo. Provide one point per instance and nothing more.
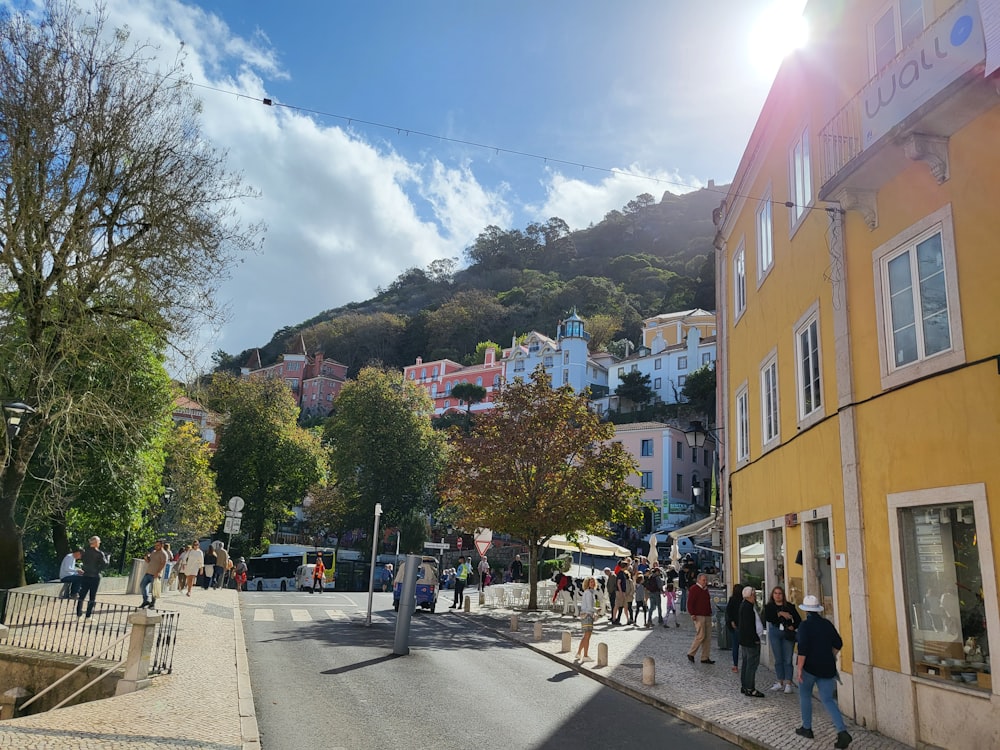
(675, 555)
(589, 543)
(654, 555)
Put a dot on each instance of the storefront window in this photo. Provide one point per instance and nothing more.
(944, 591)
(752, 560)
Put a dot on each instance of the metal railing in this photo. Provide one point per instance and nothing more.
(50, 624)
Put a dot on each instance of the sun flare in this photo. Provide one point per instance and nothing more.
(779, 30)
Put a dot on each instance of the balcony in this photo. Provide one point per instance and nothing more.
(929, 91)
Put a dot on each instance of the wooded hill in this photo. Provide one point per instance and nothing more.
(646, 259)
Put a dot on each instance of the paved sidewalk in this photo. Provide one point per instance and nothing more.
(702, 694)
(204, 703)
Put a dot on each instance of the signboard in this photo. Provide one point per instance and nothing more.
(232, 526)
(484, 540)
(483, 547)
(236, 503)
(437, 545)
(458, 542)
(989, 11)
(233, 514)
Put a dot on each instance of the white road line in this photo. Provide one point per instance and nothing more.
(337, 614)
(263, 615)
(300, 615)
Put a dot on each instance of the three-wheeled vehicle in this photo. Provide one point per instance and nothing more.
(427, 583)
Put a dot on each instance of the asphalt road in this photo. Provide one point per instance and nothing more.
(321, 679)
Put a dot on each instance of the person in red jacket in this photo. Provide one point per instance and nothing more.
(699, 606)
(319, 569)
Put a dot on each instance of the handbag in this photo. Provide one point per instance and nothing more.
(157, 587)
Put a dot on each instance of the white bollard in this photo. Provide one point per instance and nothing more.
(482, 598)
(538, 631)
(513, 623)
(648, 671)
(567, 643)
(468, 603)
(602, 654)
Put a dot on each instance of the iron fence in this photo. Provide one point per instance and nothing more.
(50, 624)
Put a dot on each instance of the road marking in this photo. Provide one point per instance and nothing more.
(263, 615)
(300, 615)
(337, 614)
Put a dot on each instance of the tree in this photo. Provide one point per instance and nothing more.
(263, 455)
(192, 507)
(383, 448)
(540, 463)
(470, 394)
(699, 391)
(114, 209)
(635, 388)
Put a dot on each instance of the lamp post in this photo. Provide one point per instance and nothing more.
(371, 575)
(696, 491)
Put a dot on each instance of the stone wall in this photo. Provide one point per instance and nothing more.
(29, 669)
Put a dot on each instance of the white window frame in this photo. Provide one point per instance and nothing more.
(657, 384)
(897, 28)
(964, 493)
(800, 182)
(764, 220)
(742, 413)
(770, 400)
(808, 321)
(739, 282)
(940, 220)
(646, 481)
(682, 363)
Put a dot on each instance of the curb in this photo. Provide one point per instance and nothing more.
(683, 714)
(244, 693)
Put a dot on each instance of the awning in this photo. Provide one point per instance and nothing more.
(701, 528)
(589, 543)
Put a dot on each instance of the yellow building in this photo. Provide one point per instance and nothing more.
(859, 356)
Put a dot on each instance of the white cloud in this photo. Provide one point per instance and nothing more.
(580, 203)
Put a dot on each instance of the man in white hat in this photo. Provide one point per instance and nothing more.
(819, 642)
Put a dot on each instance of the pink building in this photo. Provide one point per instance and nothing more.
(207, 422)
(440, 376)
(313, 380)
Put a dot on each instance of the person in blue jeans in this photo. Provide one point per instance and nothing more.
(782, 621)
(819, 643)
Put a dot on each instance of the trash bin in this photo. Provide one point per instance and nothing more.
(721, 628)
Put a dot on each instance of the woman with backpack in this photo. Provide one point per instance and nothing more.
(653, 585)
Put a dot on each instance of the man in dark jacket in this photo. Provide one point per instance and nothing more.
(94, 561)
(819, 642)
(750, 627)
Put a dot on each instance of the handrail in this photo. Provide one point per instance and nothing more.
(99, 677)
(76, 669)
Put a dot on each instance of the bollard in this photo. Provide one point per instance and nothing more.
(538, 631)
(140, 649)
(10, 702)
(602, 654)
(648, 671)
(513, 623)
(567, 643)
(482, 598)
(468, 602)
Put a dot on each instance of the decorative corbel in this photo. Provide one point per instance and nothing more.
(858, 199)
(932, 149)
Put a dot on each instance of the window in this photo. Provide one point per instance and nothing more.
(634, 368)
(423, 373)
(658, 384)
(519, 365)
(769, 399)
(291, 366)
(739, 283)
(621, 372)
(681, 380)
(917, 302)
(706, 358)
(293, 383)
(434, 390)
(647, 480)
(808, 371)
(657, 364)
(496, 381)
(900, 23)
(566, 357)
(547, 361)
(707, 454)
(647, 447)
(413, 373)
(533, 347)
(800, 177)
(479, 381)
(765, 238)
(679, 483)
(565, 378)
(447, 404)
(680, 449)
(682, 363)
(742, 424)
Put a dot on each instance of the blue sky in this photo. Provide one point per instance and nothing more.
(661, 88)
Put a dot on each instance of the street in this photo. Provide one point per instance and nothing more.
(322, 679)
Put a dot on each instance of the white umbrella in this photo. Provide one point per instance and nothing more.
(675, 555)
(654, 555)
(589, 543)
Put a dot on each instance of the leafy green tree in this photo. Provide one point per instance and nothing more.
(635, 388)
(414, 530)
(540, 463)
(192, 503)
(469, 394)
(114, 209)
(480, 356)
(699, 392)
(462, 322)
(383, 448)
(263, 455)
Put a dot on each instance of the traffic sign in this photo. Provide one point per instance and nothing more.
(483, 546)
(236, 503)
(437, 545)
(458, 543)
(233, 514)
(232, 526)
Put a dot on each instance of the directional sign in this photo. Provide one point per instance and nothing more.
(233, 514)
(437, 545)
(232, 526)
(236, 503)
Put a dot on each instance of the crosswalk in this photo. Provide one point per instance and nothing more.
(267, 614)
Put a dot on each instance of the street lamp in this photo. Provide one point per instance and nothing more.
(371, 575)
(15, 414)
(696, 434)
(696, 491)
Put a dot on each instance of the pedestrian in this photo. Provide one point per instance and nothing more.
(818, 643)
(168, 572)
(653, 584)
(387, 576)
(610, 589)
(640, 600)
(208, 557)
(240, 573)
(94, 561)
(221, 565)
(699, 606)
(194, 565)
(782, 622)
(69, 574)
(733, 622)
(588, 613)
(683, 584)
(621, 594)
(462, 573)
(670, 601)
(516, 569)
(750, 630)
(484, 572)
(156, 563)
(319, 571)
(181, 575)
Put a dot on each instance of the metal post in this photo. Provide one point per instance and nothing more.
(371, 575)
(407, 603)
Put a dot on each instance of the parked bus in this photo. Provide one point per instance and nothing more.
(273, 572)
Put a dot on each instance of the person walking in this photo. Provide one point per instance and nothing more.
(319, 574)
(221, 564)
(194, 564)
(750, 630)
(208, 564)
(240, 574)
(782, 621)
(516, 569)
(462, 573)
(181, 575)
(588, 612)
(156, 563)
(622, 602)
(733, 622)
(670, 602)
(818, 643)
(94, 562)
(69, 574)
(654, 590)
(699, 606)
(484, 572)
(640, 600)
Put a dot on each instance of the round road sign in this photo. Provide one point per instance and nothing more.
(236, 503)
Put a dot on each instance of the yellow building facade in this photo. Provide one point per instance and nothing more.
(859, 357)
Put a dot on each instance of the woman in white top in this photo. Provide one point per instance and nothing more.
(194, 561)
(587, 611)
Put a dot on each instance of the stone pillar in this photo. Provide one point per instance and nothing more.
(140, 648)
(11, 701)
(648, 671)
(567, 643)
(467, 605)
(602, 654)
(538, 631)
(513, 623)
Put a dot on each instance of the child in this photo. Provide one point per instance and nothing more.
(671, 597)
